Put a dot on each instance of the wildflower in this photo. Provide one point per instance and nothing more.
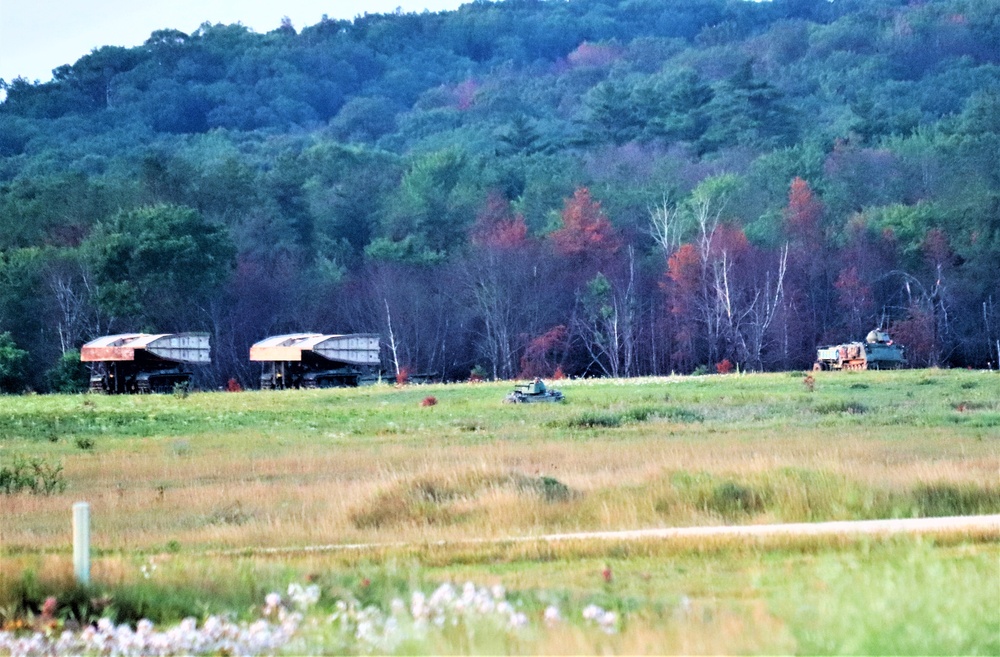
(608, 622)
(418, 606)
(303, 598)
(552, 616)
(518, 620)
(49, 607)
(592, 612)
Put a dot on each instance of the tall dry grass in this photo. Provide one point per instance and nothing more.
(372, 466)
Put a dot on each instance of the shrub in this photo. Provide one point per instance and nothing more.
(181, 390)
(425, 500)
(724, 367)
(595, 419)
(13, 365)
(549, 489)
(841, 406)
(730, 498)
(609, 420)
(69, 375)
(446, 500)
(33, 474)
(940, 499)
(429, 401)
(644, 413)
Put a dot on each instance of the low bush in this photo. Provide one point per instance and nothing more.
(732, 499)
(549, 489)
(31, 474)
(595, 420)
(434, 500)
(841, 406)
(939, 499)
(610, 420)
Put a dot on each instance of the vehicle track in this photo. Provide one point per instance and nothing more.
(987, 526)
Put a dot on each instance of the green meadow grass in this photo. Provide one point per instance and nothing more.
(197, 486)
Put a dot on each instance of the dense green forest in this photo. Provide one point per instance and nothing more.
(597, 187)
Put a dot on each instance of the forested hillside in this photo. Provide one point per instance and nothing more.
(598, 187)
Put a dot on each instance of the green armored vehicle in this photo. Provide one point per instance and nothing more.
(877, 352)
(533, 392)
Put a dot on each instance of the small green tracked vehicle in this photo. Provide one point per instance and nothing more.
(533, 392)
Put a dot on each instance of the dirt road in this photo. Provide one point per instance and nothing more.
(980, 526)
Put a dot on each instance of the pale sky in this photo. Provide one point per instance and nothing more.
(37, 36)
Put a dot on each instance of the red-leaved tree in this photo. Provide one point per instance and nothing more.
(542, 355)
(811, 307)
(497, 226)
(683, 288)
(803, 215)
(586, 233)
(502, 278)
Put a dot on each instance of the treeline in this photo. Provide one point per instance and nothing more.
(597, 187)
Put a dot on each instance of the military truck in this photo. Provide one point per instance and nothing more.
(143, 362)
(315, 360)
(877, 352)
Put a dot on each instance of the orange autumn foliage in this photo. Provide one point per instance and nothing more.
(803, 214)
(497, 226)
(586, 231)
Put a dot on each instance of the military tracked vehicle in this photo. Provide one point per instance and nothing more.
(877, 352)
(314, 360)
(531, 393)
(143, 363)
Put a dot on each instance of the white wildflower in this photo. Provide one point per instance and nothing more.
(608, 622)
(418, 605)
(518, 620)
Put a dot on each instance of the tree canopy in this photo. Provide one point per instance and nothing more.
(662, 184)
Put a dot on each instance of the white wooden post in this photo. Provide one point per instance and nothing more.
(81, 542)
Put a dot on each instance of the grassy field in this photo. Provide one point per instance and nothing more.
(184, 489)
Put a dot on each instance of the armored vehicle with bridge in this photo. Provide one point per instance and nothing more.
(143, 362)
(315, 360)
